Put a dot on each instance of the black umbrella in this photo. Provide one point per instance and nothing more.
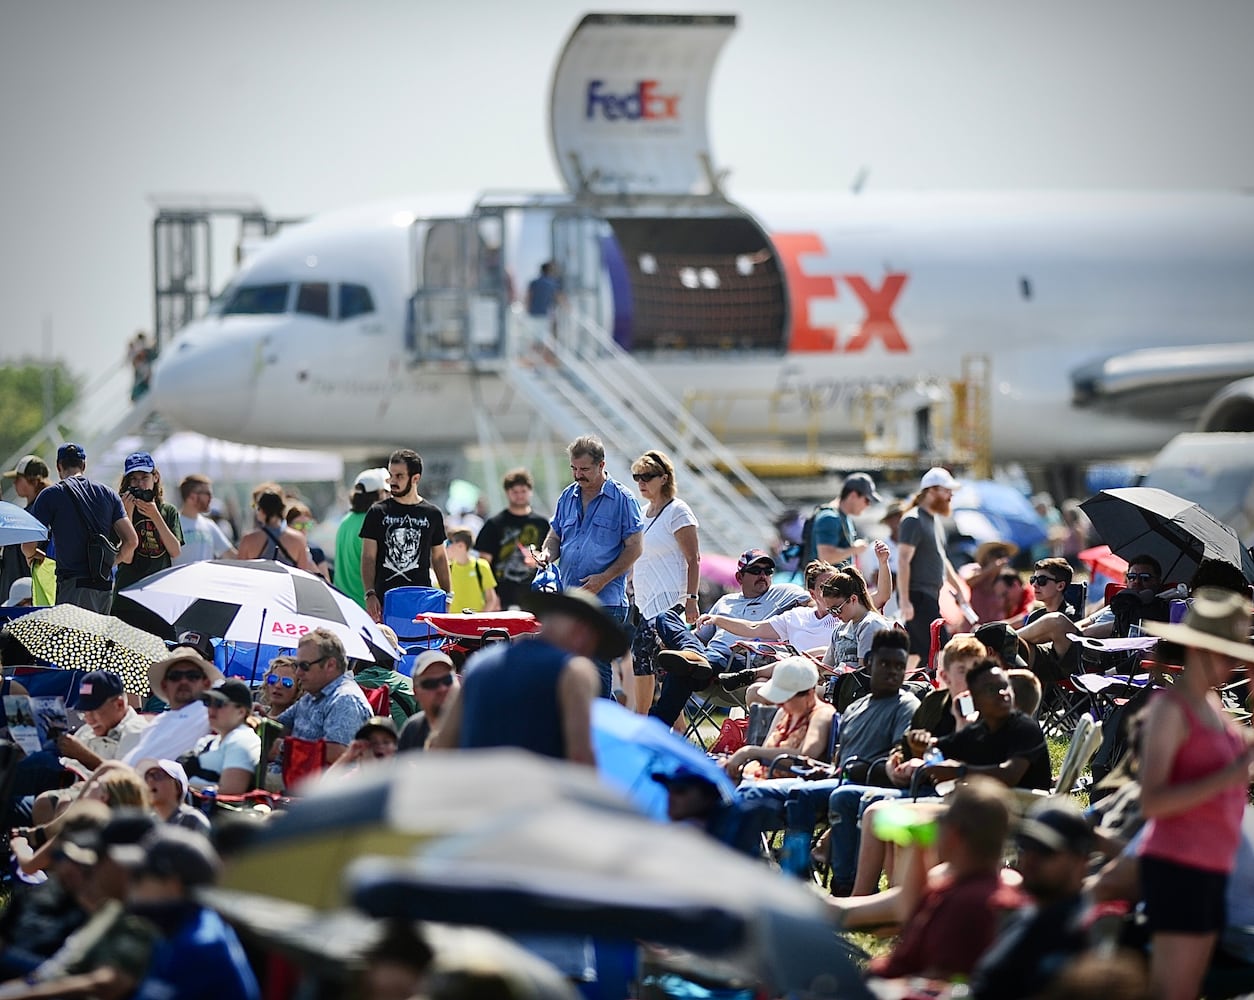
(1177, 532)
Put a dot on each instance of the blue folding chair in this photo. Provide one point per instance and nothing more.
(403, 604)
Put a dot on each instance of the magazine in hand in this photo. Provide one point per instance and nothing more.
(35, 723)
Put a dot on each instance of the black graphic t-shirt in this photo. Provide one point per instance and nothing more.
(404, 534)
(500, 538)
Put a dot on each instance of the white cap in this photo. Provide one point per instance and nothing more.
(428, 659)
(19, 592)
(171, 767)
(372, 480)
(792, 675)
(939, 477)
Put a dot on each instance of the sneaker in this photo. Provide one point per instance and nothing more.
(738, 679)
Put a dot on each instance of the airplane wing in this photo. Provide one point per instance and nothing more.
(1156, 380)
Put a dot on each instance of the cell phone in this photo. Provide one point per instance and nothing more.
(966, 706)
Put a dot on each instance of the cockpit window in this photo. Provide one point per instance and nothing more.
(355, 300)
(256, 299)
(314, 299)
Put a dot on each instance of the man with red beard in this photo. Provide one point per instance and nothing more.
(922, 566)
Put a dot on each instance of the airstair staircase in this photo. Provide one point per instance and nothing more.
(584, 383)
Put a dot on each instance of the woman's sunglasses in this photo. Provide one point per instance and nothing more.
(273, 679)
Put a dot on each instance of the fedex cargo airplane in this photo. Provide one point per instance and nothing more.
(1110, 321)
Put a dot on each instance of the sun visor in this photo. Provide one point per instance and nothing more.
(628, 109)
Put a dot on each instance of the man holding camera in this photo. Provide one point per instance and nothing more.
(77, 511)
(157, 524)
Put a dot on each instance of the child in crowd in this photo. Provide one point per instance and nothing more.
(474, 586)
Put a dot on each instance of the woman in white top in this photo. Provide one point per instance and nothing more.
(233, 750)
(666, 575)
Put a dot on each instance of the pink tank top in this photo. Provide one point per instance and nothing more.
(1207, 835)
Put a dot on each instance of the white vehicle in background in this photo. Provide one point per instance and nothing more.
(1213, 469)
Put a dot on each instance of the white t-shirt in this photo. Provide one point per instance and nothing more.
(170, 734)
(202, 539)
(660, 575)
(241, 748)
(803, 629)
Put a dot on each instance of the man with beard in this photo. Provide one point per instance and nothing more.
(922, 565)
(402, 537)
(434, 679)
(505, 538)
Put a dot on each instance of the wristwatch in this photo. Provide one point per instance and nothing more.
(371, 593)
(692, 597)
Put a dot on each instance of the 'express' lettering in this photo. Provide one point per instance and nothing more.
(643, 103)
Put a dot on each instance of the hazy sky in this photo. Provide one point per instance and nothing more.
(313, 105)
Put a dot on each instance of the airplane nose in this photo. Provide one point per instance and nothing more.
(204, 383)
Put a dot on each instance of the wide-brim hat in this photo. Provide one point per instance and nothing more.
(1217, 620)
(583, 606)
(181, 654)
(996, 550)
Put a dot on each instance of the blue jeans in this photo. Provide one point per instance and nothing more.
(619, 613)
(844, 812)
(674, 633)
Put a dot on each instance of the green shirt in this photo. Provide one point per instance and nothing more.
(348, 557)
(150, 556)
(400, 690)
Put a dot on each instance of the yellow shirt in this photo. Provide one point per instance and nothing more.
(469, 579)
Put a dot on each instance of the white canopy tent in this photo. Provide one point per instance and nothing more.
(223, 461)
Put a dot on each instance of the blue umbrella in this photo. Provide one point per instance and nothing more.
(1010, 513)
(17, 526)
(631, 748)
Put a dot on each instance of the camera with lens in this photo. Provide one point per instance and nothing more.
(145, 495)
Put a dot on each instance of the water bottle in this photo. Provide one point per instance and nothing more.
(900, 824)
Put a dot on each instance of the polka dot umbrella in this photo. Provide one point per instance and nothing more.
(74, 638)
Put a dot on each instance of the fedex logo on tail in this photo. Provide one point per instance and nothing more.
(644, 103)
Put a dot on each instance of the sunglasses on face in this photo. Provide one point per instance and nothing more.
(645, 477)
(759, 570)
(837, 609)
(1040, 581)
(185, 675)
(435, 683)
(274, 679)
(1134, 577)
(307, 665)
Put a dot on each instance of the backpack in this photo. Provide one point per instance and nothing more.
(806, 550)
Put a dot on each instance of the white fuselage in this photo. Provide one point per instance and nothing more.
(879, 289)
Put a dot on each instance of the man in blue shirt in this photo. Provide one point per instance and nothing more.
(834, 537)
(76, 510)
(595, 534)
(199, 955)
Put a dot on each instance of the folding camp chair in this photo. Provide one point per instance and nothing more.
(402, 605)
(463, 634)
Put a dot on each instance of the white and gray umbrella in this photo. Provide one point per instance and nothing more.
(256, 600)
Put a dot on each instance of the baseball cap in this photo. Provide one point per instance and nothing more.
(371, 480)
(1055, 826)
(96, 688)
(752, 556)
(937, 476)
(429, 659)
(72, 453)
(198, 641)
(172, 852)
(1004, 639)
(28, 465)
(138, 461)
(23, 589)
(792, 675)
(860, 482)
(171, 767)
(126, 827)
(376, 724)
(233, 691)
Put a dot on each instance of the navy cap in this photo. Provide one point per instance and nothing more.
(139, 461)
(171, 852)
(233, 691)
(96, 688)
(860, 482)
(72, 453)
